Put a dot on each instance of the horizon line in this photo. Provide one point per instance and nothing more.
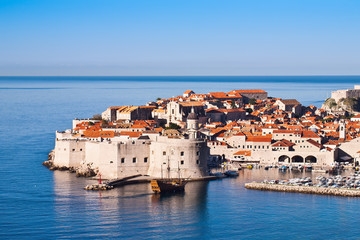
(313, 75)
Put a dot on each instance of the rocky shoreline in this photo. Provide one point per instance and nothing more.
(304, 189)
(82, 171)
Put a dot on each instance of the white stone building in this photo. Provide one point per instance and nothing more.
(155, 155)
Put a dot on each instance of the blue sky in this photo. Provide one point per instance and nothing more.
(179, 37)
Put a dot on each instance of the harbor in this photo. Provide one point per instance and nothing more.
(346, 186)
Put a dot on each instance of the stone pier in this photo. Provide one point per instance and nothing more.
(304, 189)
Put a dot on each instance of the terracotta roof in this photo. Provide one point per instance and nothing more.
(243, 153)
(283, 143)
(284, 131)
(138, 126)
(223, 95)
(96, 134)
(356, 116)
(309, 134)
(131, 134)
(316, 144)
(259, 138)
(188, 91)
(192, 103)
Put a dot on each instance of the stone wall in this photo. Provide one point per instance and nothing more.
(190, 156)
(303, 189)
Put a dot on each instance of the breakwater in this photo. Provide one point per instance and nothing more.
(304, 189)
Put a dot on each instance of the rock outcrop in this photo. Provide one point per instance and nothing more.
(95, 187)
(85, 170)
(350, 105)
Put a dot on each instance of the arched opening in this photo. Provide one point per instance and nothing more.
(310, 159)
(297, 159)
(284, 158)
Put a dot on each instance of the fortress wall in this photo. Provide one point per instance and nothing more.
(223, 150)
(62, 153)
(353, 93)
(167, 152)
(108, 160)
(261, 96)
(77, 153)
(132, 151)
(337, 95)
(92, 153)
(69, 153)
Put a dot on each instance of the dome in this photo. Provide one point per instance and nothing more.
(192, 116)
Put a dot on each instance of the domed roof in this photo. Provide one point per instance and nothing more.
(192, 116)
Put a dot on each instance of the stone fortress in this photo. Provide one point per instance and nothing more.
(348, 93)
(239, 127)
(171, 156)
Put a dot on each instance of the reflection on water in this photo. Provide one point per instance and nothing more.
(204, 210)
(131, 208)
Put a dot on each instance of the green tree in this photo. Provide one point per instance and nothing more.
(252, 101)
(97, 117)
(173, 126)
(249, 110)
(233, 105)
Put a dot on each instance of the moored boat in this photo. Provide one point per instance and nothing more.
(167, 185)
(231, 173)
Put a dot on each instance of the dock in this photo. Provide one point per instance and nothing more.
(136, 179)
(304, 189)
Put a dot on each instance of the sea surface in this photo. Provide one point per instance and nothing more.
(36, 203)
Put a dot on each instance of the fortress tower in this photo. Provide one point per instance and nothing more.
(192, 123)
(342, 130)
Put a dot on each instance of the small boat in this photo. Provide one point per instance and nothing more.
(308, 168)
(167, 185)
(249, 166)
(231, 173)
(218, 174)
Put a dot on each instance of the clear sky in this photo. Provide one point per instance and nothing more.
(180, 37)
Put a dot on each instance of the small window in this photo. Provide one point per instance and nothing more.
(80, 149)
(197, 153)
(182, 154)
(164, 153)
(134, 160)
(182, 162)
(145, 160)
(197, 161)
(111, 162)
(122, 160)
(73, 149)
(64, 149)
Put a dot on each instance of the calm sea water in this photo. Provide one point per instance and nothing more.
(40, 204)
